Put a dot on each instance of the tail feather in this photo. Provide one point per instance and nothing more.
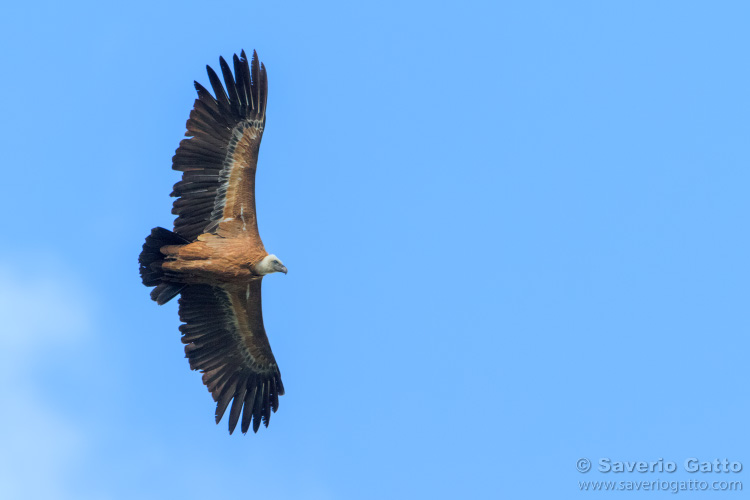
(150, 262)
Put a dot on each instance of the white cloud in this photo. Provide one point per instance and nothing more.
(40, 314)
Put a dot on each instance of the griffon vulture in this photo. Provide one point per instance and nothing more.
(215, 258)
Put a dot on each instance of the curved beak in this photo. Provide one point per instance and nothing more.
(283, 269)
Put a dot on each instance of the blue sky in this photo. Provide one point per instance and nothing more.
(516, 236)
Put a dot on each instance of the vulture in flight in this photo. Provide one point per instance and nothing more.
(214, 259)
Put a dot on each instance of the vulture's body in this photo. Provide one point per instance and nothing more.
(214, 259)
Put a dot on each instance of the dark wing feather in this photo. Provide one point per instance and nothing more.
(226, 341)
(239, 75)
(247, 80)
(234, 97)
(219, 158)
(221, 95)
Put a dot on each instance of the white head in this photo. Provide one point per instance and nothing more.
(270, 264)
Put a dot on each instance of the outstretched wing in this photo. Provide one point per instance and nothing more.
(218, 161)
(226, 341)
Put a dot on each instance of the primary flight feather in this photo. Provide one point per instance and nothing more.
(214, 259)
